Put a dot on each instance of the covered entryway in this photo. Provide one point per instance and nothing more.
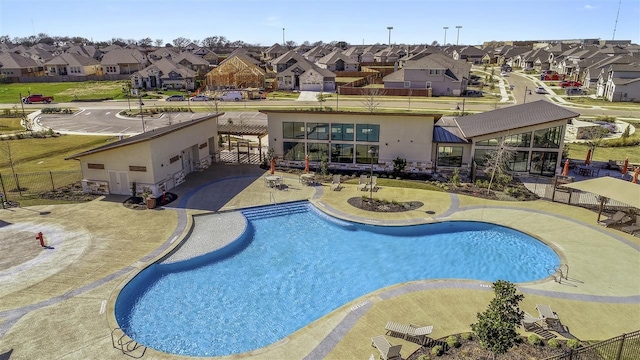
(237, 143)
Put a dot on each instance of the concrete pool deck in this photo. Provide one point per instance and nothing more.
(58, 303)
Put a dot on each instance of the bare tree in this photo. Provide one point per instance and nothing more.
(158, 42)
(146, 42)
(181, 42)
(498, 161)
(371, 98)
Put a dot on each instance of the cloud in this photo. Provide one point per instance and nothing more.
(273, 21)
(589, 7)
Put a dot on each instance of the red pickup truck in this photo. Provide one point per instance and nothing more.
(36, 98)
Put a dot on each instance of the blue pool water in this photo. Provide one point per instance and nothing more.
(286, 271)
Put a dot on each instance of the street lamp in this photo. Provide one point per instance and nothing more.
(389, 28)
(372, 152)
(282, 36)
(445, 35)
(458, 38)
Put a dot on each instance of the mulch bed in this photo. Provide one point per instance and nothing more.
(471, 350)
(378, 205)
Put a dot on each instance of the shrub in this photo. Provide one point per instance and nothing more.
(466, 336)
(554, 343)
(453, 342)
(609, 119)
(437, 350)
(534, 339)
(424, 357)
(573, 343)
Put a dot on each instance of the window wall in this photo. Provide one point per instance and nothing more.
(293, 151)
(368, 132)
(342, 153)
(450, 156)
(548, 138)
(293, 130)
(363, 156)
(342, 132)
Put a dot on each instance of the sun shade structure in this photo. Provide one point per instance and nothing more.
(625, 192)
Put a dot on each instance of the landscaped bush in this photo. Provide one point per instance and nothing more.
(609, 119)
(424, 357)
(466, 336)
(573, 343)
(453, 342)
(437, 350)
(534, 339)
(554, 343)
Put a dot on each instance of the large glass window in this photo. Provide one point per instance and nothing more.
(480, 156)
(293, 130)
(543, 163)
(489, 142)
(519, 161)
(342, 132)
(518, 140)
(317, 131)
(363, 156)
(293, 151)
(367, 132)
(342, 153)
(548, 138)
(450, 156)
(318, 151)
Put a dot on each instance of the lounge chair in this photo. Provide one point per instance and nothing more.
(387, 351)
(362, 185)
(548, 317)
(335, 183)
(634, 228)
(374, 183)
(412, 332)
(615, 219)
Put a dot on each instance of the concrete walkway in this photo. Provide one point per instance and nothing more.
(59, 303)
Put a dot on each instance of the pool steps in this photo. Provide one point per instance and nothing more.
(265, 212)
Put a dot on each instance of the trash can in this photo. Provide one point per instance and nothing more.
(151, 202)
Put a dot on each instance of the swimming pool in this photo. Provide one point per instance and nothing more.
(286, 271)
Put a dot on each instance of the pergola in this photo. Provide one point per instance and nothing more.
(249, 129)
(623, 191)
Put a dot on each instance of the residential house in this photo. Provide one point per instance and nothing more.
(237, 71)
(337, 61)
(155, 161)
(14, 66)
(354, 53)
(85, 50)
(388, 55)
(444, 75)
(306, 76)
(595, 71)
(165, 74)
(469, 53)
(623, 83)
(193, 62)
(209, 55)
(72, 64)
(123, 61)
(163, 53)
(274, 51)
(316, 53)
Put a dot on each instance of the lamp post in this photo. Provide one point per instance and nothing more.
(389, 28)
(372, 152)
(282, 36)
(445, 36)
(458, 38)
(142, 114)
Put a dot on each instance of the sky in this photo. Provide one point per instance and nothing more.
(354, 21)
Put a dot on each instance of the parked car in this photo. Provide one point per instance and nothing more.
(199, 98)
(230, 96)
(175, 98)
(529, 68)
(541, 90)
(504, 74)
(575, 91)
(570, 83)
(506, 68)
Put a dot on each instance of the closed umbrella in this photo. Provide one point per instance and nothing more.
(273, 165)
(587, 161)
(565, 171)
(306, 164)
(635, 175)
(625, 167)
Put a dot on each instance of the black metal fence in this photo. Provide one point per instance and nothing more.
(623, 347)
(22, 184)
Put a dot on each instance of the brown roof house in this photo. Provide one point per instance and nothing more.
(123, 62)
(14, 66)
(442, 74)
(165, 74)
(155, 160)
(301, 74)
(72, 64)
(337, 61)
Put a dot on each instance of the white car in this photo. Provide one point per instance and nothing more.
(541, 90)
(504, 74)
(199, 98)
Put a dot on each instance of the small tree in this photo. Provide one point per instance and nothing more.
(496, 326)
(371, 98)
(398, 166)
(498, 161)
(627, 132)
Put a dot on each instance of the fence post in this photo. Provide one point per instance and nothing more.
(18, 184)
(53, 187)
(620, 347)
(3, 189)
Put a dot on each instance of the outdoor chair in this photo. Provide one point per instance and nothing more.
(530, 323)
(548, 317)
(412, 332)
(387, 351)
(335, 183)
(615, 219)
(362, 185)
(374, 183)
(634, 228)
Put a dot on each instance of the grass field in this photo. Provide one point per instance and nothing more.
(10, 125)
(579, 151)
(64, 91)
(48, 154)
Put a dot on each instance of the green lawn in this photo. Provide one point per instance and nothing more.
(46, 154)
(10, 125)
(579, 151)
(63, 91)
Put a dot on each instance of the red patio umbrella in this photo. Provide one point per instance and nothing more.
(565, 170)
(635, 175)
(273, 165)
(625, 167)
(587, 161)
(306, 164)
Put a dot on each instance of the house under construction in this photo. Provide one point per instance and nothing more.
(236, 72)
